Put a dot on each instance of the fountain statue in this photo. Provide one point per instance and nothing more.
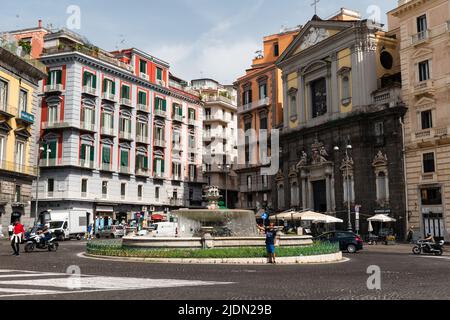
(212, 196)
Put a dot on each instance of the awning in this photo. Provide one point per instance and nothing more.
(158, 216)
(104, 209)
(306, 216)
(381, 218)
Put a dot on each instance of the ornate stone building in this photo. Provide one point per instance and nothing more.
(423, 28)
(342, 134)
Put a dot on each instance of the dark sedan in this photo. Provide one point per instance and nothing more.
(348, 241)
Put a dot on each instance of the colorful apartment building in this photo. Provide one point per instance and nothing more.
(260, 107)
(114, 133)
(19, 84)
(423, 29)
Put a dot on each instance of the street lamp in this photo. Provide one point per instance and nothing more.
(226, 170)
(347, 175)
(41, 149)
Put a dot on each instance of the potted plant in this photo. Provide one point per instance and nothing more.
(390, 240)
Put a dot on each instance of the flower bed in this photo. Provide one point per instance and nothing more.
(114, 249)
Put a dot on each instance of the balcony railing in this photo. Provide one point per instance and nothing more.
(124, 169)
(176, 147)
(87, 164)
(158, 175)
(90, 90)
(56, 87)
(160, 113)
(18, 168)
(390, 95)
(162, 83)
(142, 139)
(176, 202)
(107, 131)
(177, 178)
(423, 87)
(218, 98)
(125, 135)
(125, 102)
(420, 36)
(159, 143)
(55, 125)
(143, 172)
(192, 122)
(177, 117)
(87, 126)
(109, 96)
(144, 76)
(106, 167)
(431, 133)
(254, 105)
(142, 107)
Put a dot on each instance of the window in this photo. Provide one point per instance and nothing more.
(141, 161)
(87, 115)
(191, 141)
(140, 191)
(84, 183)
(104, 188)
(294, 195)
(107, 119)
(249, 182)
(142, 129)
(159, 74)
(379, 129)
(319, 97)
(381, 186)
(23, 101)
(426, 119)
(160, 104)
(159, 134)
(422, 24)
(50, 186)
(424, 71)
(20, 154)
(125, 124)
(249, 200)
(124, 159)
(123, 187)
(276, 49)
(54, 77)
(143, 66)
(142, 98)
(293, 105)
(3, 95)
(2, 149)
(262, 91)
(106, 157)
(109, 86)
(191, 114)
(176, 170)
(158, 166)
(431, 196)
(247, 97)
(265, 181)
(428, 163)
(177, 110)
(49, 152)
(18, 194)
(52, 113)
(125, 91)
(345, 92)
(349, 193)
(280, 196)
(157, 193)
(86, 155)
(89, 80)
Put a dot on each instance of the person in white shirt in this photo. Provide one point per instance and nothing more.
(10, 231)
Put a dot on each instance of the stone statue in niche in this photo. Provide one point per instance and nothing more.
(319, 153)
(303, 160)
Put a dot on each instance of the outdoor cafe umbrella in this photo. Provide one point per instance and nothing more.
(381, 218)
(316, 217)
(370, 227)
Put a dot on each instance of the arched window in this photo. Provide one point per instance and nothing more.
(293, 105)
(381, 182)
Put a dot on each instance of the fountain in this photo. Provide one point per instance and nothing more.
(212, 227)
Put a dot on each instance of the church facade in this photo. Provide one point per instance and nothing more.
(342, 132)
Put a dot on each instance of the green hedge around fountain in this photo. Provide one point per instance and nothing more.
(113, 248)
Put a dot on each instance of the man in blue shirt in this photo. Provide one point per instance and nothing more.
(271, 234)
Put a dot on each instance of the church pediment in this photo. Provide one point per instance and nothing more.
(422, 52)
(314, 32)
(424, 101)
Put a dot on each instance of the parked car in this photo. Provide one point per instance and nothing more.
(348, 241)
(111, 232)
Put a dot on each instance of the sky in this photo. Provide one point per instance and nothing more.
(199, 38)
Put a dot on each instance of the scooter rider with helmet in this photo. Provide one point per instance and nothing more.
(429, 241)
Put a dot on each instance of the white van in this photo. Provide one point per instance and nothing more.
(164, 229)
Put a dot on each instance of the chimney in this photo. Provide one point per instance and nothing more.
(40, 23)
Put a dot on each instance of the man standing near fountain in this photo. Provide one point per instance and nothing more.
(271, 234)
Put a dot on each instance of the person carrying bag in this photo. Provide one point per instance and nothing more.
(17, 237)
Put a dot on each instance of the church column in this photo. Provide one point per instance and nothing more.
(310, 195)
(328, 186)
(304, 200)
(301, 96)
(335, 101)
(285, 101)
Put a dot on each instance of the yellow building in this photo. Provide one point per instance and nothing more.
(423, 28)
(19, 81)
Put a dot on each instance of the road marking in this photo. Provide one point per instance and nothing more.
(434, 257)
(59, 283)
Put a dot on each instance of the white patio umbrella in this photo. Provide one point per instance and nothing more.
(370, 227)
(317, 217)
(381, 218)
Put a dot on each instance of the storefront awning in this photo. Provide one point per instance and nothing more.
(104, 209)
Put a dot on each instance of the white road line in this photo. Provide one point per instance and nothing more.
(25, 275)
(434, 257)
(15, 291)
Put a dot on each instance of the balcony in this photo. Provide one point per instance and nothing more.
(90, 90)
(218, 98)
(207, 136)
(159, 143)
(210, 118)
(176, 147)
(432, 133)
(123, 135)
(125, 102)
(390, 95)
(105, 131)
(177, 178)
(177, 117)
(87, 164)
(176, 202)
(142, 107)
(88, 126)
(56, 125)
(142, 139)
(18, 168)
(420, 37)
(6, 110)
(192, 149)
(106, 167)
(160, 113)
(124, 170)
(265, 102)
(423, 87)
(158, 175)
(144, 76)
(192, 122)
(109, 96)
(142, 172)
(54, 88)
(162, 83)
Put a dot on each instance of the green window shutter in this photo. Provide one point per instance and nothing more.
(106, 155)
(83, 152)
(158, 73)
(162, 165)
(104, 85)
(156, 103)
(113, 87)
(145, 162)
(94, 80)
(59, 76)
(85, 76)
(44, 152)
(124, 158)
(49, 78)
(164, 102)
(154, 165)
(52, 145)
(91, 157)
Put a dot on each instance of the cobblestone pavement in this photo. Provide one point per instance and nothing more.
(43, 274)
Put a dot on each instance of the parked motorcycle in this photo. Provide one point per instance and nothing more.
(429, 248)
(36, 242)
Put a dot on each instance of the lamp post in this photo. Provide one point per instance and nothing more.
(36, 209)
(347, 176)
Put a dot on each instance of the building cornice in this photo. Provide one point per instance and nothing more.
(407, 7)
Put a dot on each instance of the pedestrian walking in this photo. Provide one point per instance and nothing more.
(1, 231)
(271, 234)
(410, 236)
(16, 239)
(10, 231)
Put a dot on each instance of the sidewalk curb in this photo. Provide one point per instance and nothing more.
(319, 259)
